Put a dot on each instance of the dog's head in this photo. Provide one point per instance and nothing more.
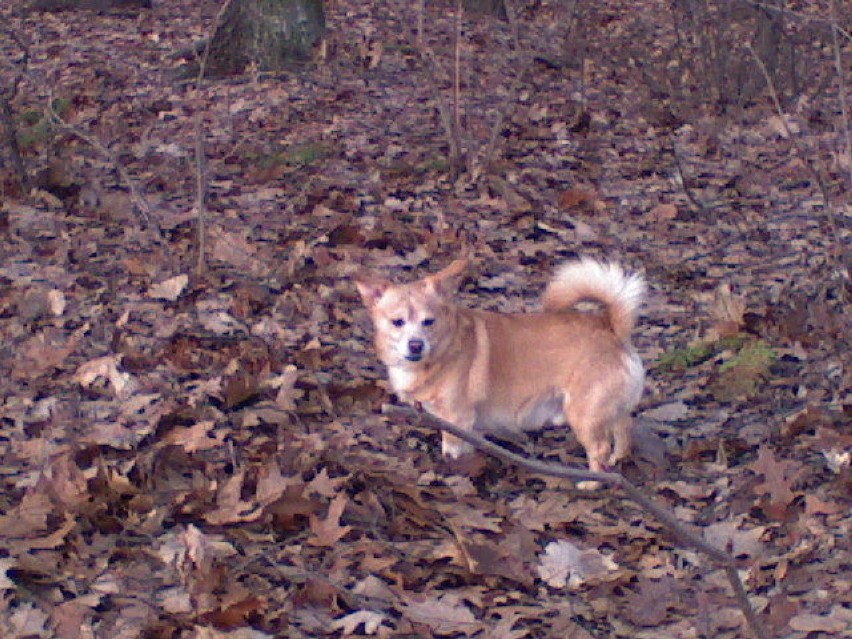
(414, 322)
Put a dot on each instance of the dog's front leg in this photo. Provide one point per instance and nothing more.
(451, 446)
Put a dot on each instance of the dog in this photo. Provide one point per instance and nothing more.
(487, 371)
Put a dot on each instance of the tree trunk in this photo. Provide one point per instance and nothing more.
(488, 7)
(271, 35)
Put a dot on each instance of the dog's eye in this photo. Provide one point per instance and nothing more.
(398, 322)
(429, 321)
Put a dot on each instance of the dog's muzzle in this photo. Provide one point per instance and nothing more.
(415, 350)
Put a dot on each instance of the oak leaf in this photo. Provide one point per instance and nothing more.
(328, 532)
(349, 623)
(445, 615)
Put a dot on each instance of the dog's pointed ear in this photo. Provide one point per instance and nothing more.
(371, 289)
(448, 279)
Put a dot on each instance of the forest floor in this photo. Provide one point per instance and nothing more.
(197, 447)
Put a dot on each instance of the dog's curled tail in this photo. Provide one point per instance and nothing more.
(606, 283)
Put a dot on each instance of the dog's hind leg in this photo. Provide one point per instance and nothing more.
(622, 430)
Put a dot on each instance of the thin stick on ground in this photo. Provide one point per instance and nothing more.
(678, 529)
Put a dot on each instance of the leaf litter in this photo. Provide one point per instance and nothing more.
(204, 455)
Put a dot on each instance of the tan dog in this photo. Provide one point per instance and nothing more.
(491, 371)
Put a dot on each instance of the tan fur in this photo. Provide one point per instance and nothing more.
(492, 371)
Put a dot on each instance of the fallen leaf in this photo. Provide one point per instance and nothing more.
(663, 213)
(5, 564)
(727, 536)
(648, 605)
(564, 564)
(197, 437)
(670, 412)
(444, 615)
(230, 507)
(327, 532)
(27, 620)
(778, 479)
(105, 368)
(349, 623)
(838, 620)
(169, 289)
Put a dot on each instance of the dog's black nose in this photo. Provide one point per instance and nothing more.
(415, 347)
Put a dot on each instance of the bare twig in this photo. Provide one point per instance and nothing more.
(841, 87)
(698, 204)
(200, 153)
(776, 101)
(136, 195)
(678, 529)
(444, 108)
(421, 12)
(201, 194)
(801, 15)
(7, 114)
(457, 71)
(205, 52)
(806, 161)
(503, 112)
(7, 119)
(462, 152)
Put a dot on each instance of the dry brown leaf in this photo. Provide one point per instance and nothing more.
(839, 619)
(663, 213)
(199, 436)
(29, 517)
(328, 532)
(106, 368)
(29, 621)
(562, 564)
(350, 623)
(444, 615)
(170, 289)
(230, 507)
(727, 536)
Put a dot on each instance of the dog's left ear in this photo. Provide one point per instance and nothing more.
(371, 289)
(448, 279)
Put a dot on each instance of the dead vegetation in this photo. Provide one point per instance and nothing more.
(203, 452)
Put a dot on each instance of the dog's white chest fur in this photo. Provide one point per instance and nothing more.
(401, 379)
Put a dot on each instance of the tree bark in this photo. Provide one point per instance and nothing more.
(271, 35)
(488, 7)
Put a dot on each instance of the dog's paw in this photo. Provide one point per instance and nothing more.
(454, 448)
(589, 485)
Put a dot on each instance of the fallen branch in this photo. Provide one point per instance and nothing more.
(616, 480)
